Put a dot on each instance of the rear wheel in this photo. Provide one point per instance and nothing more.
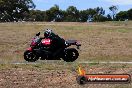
(70, 55)
(30, 56)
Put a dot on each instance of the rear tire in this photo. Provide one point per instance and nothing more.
(30, 56)
(70, 55)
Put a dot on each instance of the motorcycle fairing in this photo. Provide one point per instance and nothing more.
(46, 41)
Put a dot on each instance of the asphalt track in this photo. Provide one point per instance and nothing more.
(80, 62)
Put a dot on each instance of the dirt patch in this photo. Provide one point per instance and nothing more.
(21, 78)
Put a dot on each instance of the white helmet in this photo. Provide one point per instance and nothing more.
(47, 32)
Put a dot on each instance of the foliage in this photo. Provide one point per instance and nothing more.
(22, 10)
(14, 10)
(72, 14)
(129, 12)
(122, 16)
(114, 10)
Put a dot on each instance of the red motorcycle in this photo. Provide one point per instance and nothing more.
(41, 49)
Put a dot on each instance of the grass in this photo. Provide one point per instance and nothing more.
(106, 41)
(100, 41)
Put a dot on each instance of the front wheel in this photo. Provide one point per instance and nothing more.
(70, 55)
(30, 56)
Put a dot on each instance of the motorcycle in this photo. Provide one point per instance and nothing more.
(40, 49)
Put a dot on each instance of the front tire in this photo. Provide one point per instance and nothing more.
(30, 56)
(70, 55)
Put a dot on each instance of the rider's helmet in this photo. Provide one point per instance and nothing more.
(47, 33)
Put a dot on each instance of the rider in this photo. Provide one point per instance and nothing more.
(57, 42)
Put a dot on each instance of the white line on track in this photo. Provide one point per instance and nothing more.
(103, 62)
(81, 62)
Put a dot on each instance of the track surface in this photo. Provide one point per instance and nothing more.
(81, 62)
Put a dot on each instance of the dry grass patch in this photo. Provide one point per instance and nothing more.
(100, 41)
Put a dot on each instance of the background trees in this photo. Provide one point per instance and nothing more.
(122, 15)
(14, 10)
(99, 16)
(129, 12)
(114, 10)
(22, 10)
(54, 14)
(72, 14)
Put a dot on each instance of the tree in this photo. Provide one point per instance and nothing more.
(122, 15)
(83, 16)
(91, 12)
(54, 14)
(72, 14)
(14, 10)
(36, 15)
(109, 17)
(129, 12)
(99, 16)
(114, 10)
(87, 15)
(100, 11)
